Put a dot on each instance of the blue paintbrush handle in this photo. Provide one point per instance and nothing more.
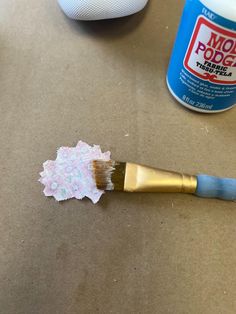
(213, 187)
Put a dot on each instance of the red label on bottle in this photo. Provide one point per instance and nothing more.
(211, 54)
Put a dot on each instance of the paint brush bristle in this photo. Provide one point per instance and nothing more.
(109, 175)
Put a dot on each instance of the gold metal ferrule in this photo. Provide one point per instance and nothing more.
(140, 178)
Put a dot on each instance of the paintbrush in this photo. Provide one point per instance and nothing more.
(130, 177)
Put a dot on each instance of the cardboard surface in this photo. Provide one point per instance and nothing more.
(61, 81)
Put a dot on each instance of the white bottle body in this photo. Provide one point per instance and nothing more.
(89, 10)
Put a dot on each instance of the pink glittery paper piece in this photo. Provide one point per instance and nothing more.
(70, 175)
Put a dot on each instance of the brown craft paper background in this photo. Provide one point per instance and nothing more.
(104, 83)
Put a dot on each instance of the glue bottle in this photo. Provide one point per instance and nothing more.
(202, 69)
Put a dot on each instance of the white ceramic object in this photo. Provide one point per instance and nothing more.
(89, 10)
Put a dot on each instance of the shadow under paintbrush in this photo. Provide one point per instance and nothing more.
(141, 201)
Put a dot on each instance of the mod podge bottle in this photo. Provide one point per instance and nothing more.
(202, 69)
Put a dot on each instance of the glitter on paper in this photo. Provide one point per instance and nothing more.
(70, 175)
